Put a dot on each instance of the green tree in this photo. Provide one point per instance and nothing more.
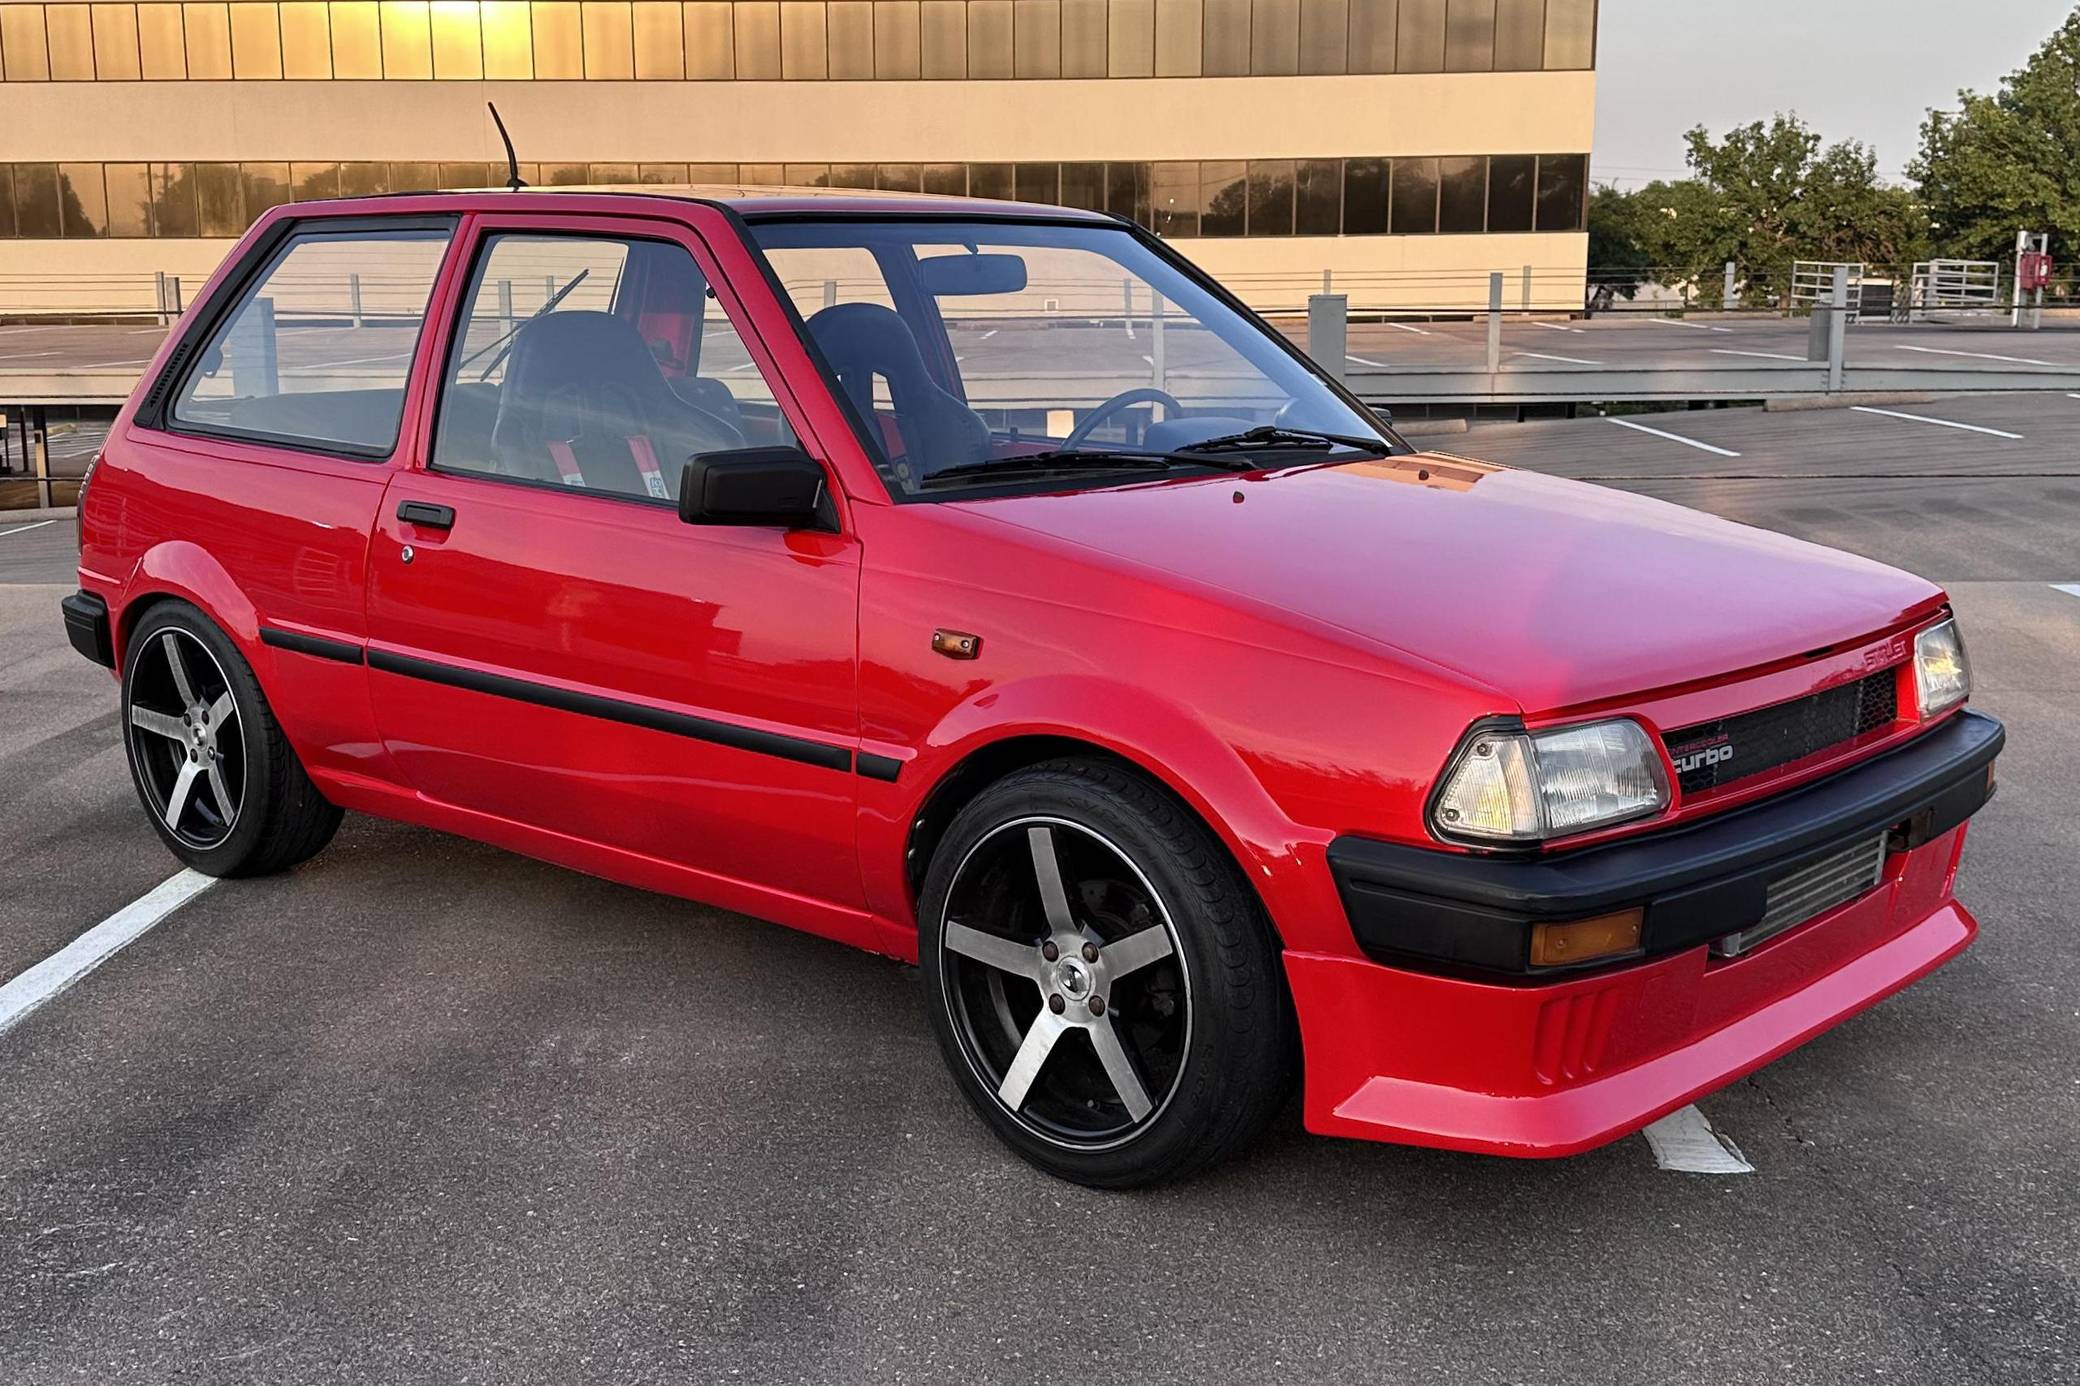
(2002, 163)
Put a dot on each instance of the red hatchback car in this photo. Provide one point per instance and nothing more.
(978, 584)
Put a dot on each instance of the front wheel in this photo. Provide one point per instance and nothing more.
(1101, 980)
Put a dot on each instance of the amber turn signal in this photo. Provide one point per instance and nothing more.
(1585, 940)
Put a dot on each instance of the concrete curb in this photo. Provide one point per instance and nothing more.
(1429, 428)
(11, 518)
(1798, 404)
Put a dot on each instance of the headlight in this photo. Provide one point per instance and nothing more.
(1510, 786)
(1942, 674)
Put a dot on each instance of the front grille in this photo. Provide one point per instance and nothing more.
(1810, 891)
(1712, 755)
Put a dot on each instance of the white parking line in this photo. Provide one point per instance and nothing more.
(1569, 360)
(1939, 423)
(1404, 327)
(25, 356)
(1687, 1144)
(1672, 437)
(1376, 365)
(96, 946)
(104, 365)
(1765, 355)
(1977, 356)
(1555, 327)
(26, 528)
(2071, 589)
(1693, 326)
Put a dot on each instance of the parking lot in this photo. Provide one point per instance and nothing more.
(425, 1111)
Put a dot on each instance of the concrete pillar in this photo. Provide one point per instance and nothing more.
(1328, 332)
(1732, 297)
(354, 296)
(37, 435)
(1527, 288)
(1837, 326)
(1495, 322)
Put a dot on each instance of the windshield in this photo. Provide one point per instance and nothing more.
(985, 354)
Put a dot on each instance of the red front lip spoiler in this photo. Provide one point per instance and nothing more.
(1568, 1120)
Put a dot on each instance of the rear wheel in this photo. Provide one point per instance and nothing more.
(1101, 980)
(219, 780)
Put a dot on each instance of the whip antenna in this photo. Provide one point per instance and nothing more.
(513, 183)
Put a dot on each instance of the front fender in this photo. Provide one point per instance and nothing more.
(1285, 863)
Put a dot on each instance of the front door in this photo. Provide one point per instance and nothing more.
(550, 643)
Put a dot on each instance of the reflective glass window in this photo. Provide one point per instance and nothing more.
(989, 39)
(1318, 197)
(458, 42)
(804, 49)
(129, 199)
(8, 229)
(1127, 192)
(414, 177)
(616, 173)
(949, 180)
(716, 174)
(1375, 28)
(1036, 38)
(761, 175)
(1083, 185)
(667, 174)
(69, 29)
(758, 41)
(609, 29)
(363, 179)
(311, 181)
(24, 51)
(900, 177)
(256, 41)
(1462, 197)
(209, 41)
(853, 175)
(1083, 38)
(38, 205)
(1180, 26)
(115, 43)
(1223, 197)
(1512, 184)
(407, 40)
(850, 28)
(1324, 35)
(1174, 198)
(1469, 38)
(1420, 47)
(222, 198)
(1364, 197)
(306, 41)
(263, 186)
(943, 38)
(1520, 35)
(564, 175)
(1271, 197)
(357, 40)
(1037, 183)
(992, 180)
(660, 41)
(1130, 38)
(1563, 181)
(470, 175)
(711, 40)
(1226, 47)
(508, 40)
(82, 200)
(559, 40)
(1274, 37)
(1414, 198)
(802, 175)
(174, 209)
(162, 47)
(897, 56)
(1570, 34)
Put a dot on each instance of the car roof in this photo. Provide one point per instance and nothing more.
(755, 200)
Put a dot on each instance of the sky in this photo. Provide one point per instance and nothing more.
(1854, 69)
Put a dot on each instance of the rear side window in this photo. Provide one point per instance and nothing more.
(317, 350)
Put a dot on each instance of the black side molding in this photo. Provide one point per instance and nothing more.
(86, 626)
(794, 748)
(316, 646)
(1696, 882)
(876, 767)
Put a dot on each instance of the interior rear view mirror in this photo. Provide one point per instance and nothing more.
(945, 276)
(753, 486)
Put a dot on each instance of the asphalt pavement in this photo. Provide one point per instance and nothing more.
(423, 1111)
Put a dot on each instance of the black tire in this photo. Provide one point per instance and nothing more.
(276, 816)
(1129, 859)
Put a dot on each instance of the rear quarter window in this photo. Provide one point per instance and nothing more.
(316, 350)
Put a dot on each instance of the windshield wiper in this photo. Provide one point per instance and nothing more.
(1071, 460)
(1273, 438)
(503, 340)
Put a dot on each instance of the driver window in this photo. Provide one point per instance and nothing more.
(599, 364)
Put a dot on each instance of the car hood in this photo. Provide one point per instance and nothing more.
(1553, 592)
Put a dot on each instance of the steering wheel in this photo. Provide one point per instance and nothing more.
(1125, 399)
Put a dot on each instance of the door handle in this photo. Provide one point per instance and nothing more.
(426, 514)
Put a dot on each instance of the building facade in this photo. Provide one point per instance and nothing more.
(1404, 148)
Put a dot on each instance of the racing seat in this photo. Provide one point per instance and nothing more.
(863, 340)
(585, 404)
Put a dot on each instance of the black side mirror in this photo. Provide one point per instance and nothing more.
(753, 486)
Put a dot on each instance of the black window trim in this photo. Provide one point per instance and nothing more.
(156, 413)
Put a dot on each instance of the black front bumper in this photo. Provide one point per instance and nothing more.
(1697, 882)
(86, 626)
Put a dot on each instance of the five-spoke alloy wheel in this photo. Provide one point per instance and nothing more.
(215, 771)
(1103, 983)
